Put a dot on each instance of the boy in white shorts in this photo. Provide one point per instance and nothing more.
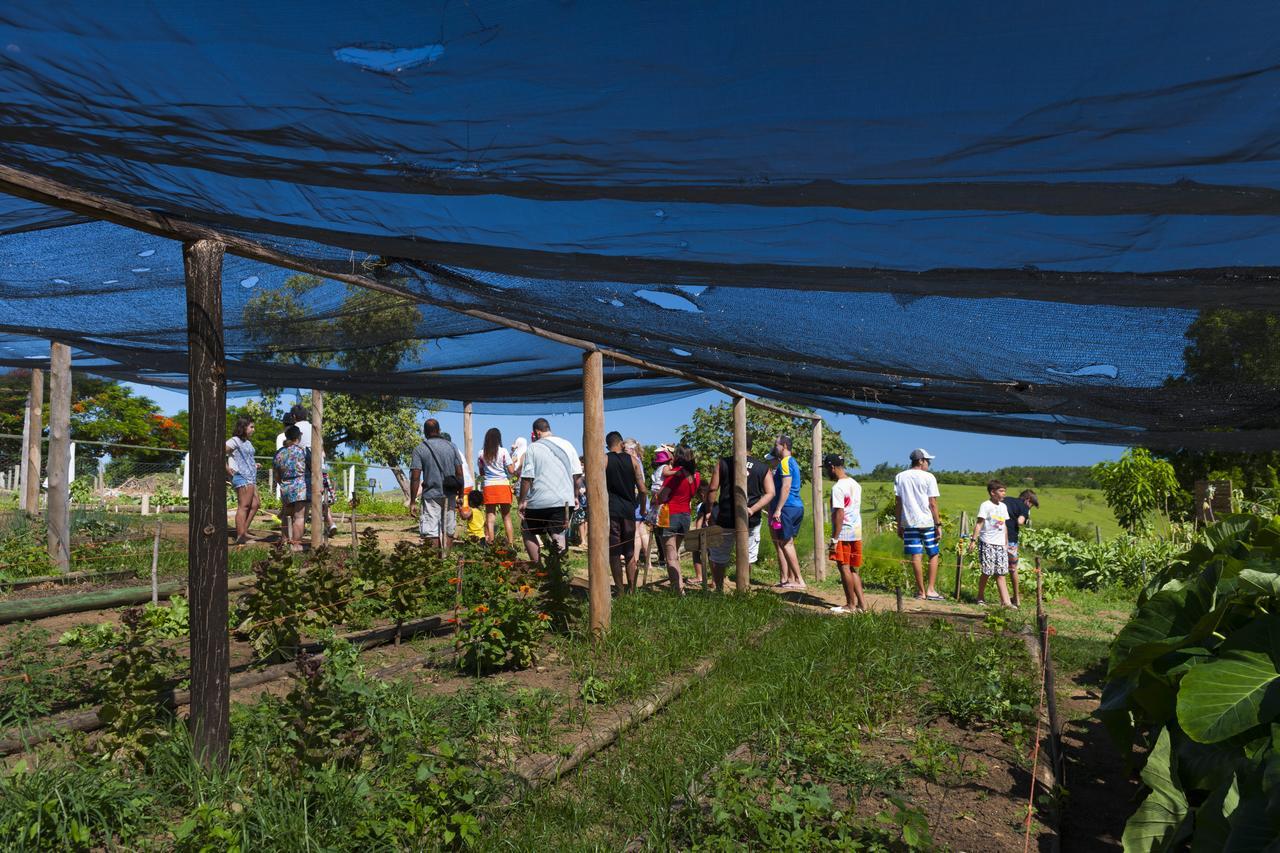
(991, 534)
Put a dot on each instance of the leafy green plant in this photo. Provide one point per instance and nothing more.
(35, 679)
(325, 714)
(65, 806)
(270, 614)
(158, 621)
(24, 553)
(1197, 671)
(138, 669)
(1135, 486)
(1126, 561)
(328, 588)
(502, 631)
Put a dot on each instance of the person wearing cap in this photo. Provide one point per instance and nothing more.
(846, 532)
(786, 513)
(659, 516)
(1019, 514)
(916, 503)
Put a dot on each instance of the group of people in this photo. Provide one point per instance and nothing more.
(995, 532)
(291, 467)
(667, 504)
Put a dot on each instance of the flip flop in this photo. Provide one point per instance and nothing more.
(840, 609)
(935, 597)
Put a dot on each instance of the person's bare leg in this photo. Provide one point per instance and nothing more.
(1004, 591)
(933, 575)
(299, 514)
(506, 523)
(490, 523)
(673, 562)
(618, 569)
(916, 563)
(982, 587)
(532, 546)
(717, 575)
(254, 505)
(793, 563)
(633, 569)
(1013, 577)
(242, 513)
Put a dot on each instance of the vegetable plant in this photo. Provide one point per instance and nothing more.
(1196, 674)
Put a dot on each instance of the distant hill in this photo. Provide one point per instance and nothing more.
(1015, 477)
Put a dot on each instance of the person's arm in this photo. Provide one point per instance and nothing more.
(230, 448)
(933, 508)
(837, 521)
(641, 489)
(526, 483)
(977, 530)
(415, 479)
(766, 497)
(897, 513)
(785, 489)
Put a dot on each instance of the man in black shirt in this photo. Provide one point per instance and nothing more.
(759, 495)
(1019, 514)
(624, 482)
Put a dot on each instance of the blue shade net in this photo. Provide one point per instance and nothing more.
(1056, 222)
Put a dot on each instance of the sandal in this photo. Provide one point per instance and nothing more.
(935, 597)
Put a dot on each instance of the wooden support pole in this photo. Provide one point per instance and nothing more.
(468, 440)
(35, 426)
(819, 507)
(58, 515)
(318, 530)
(741, 521)
(207, 519)
(598, 575)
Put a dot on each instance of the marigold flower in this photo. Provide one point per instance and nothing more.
(506, 564)
(544, 617)
(525, 588)
(455, 580)
(482, 608)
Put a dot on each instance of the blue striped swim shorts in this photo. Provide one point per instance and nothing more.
(920, 540)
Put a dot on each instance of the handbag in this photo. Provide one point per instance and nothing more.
(451, 483)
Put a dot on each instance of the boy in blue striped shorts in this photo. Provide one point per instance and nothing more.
(916, 499)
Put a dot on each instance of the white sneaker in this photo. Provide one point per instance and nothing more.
(839, 608)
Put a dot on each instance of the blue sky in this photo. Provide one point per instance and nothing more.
(872, 442)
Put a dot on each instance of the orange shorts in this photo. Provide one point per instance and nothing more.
(498, 494)
(849, 553)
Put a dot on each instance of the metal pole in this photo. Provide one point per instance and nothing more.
(58, 517)
(741, 520)
(35, 418)
(819, 511)
(207, 518)
(598, 574)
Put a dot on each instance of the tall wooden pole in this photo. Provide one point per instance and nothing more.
(35, 426)
(318, 530)
(207, 519)
(57, 517)
(819, 508)
(20, 470)
(468, 439)
(741, 521)
(598, 576)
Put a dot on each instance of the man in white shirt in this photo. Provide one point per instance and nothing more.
(916, 501)
(549, 481)
(846, 532)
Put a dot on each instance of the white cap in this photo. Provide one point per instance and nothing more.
(920, 453)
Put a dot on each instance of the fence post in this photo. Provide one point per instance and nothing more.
(598, 574)
(58, 518)
(155, 566)
(146, 505)
(819, 510)
(186, 475)
(1039, 591)
(35, 418)
(318, 529)
(741, 520)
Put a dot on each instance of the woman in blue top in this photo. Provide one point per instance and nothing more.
(786, 512)
(243, 471)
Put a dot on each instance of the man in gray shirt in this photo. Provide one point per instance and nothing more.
(437, 470)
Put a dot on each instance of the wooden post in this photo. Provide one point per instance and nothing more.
(155, 565)
(598, 575)
(1039, 591)
(58, 517)
(741, 520)
(959, 565)
(819, 510)
(897, 594)
(468, 440)
(35, 426)
(318, 531)
(207, 518)
(1097, 534)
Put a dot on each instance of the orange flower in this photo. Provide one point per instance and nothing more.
(540, 574)
(506, 564)
(525, 588)
(1053, 632)
(544, 617)
(482, 608)
(455, 580)
(451, 621)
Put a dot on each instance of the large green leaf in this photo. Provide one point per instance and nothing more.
(1255, 582)
(1255, 823)
(1161, 821)
(1212, 819)
(1228, 696)
(1165, 623)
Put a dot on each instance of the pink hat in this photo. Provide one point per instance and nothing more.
(661, 456)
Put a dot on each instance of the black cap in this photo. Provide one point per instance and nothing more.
(833, 460)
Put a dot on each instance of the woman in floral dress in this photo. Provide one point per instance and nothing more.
(295, 488)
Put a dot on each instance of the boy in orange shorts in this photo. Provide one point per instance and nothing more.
(846, 529)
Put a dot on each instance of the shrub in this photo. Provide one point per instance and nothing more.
(1196, 671)
(1125, 561)
(138, 669)
(269, 614)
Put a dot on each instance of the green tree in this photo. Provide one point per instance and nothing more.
(1136, 486)
(1230, 348)
(370, 333)
(710, 434)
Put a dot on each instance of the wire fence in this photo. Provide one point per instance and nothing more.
(117, 473)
